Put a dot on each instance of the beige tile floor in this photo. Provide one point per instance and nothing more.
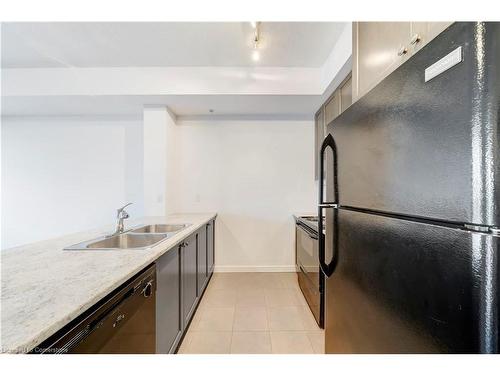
(247, 313)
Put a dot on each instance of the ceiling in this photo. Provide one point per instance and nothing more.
(218, 78)
(136, 44)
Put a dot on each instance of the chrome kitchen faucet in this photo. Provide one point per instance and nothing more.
(120, 216)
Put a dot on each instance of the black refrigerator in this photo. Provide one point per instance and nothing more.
(409, 187)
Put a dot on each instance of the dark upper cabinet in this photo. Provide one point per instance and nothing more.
(189, 278)
(202, 259)
(168, 297)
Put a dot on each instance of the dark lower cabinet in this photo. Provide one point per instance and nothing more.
(182, 276)
(210, 246)
(202, 259)
(189, 278)
(168, 317)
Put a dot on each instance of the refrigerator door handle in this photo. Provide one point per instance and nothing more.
(329, 142)
(327, 269)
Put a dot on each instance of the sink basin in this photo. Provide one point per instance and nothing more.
(160, 228)
(127, 241)
(140, 238)
(121, 241)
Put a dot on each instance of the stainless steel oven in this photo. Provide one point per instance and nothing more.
(308, 270)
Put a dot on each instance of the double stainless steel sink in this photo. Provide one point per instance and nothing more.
(139, 238)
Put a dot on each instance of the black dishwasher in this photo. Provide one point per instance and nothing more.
(122, 323)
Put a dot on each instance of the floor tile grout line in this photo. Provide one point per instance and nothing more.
(269, 325)
(231, 340)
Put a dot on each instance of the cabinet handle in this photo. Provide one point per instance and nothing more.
(148, 289)
(402, 51)
(416, 39)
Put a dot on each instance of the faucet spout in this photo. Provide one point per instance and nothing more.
(121, 215)
(122, 210)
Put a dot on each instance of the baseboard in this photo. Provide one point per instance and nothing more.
(221, 269)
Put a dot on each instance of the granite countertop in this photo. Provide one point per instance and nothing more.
(45, 287)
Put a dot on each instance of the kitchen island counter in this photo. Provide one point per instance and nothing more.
(44, 287)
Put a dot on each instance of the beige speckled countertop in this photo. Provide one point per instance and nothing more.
(45, 287)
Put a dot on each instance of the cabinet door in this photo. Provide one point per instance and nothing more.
(346, 94)
(378, 48)
(423, 32)
(189, 286)
(332, 110)
(436, 28)
(211, 246)
(202, 259)
(168, 297)
(319, 134)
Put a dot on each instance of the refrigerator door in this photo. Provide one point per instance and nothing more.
(403, 286)
(428, 149)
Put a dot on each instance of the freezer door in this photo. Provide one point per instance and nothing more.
(428, 149)
(411, 287)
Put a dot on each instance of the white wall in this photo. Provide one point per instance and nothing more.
(255, 175)
(65, 175)
(158, 133)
